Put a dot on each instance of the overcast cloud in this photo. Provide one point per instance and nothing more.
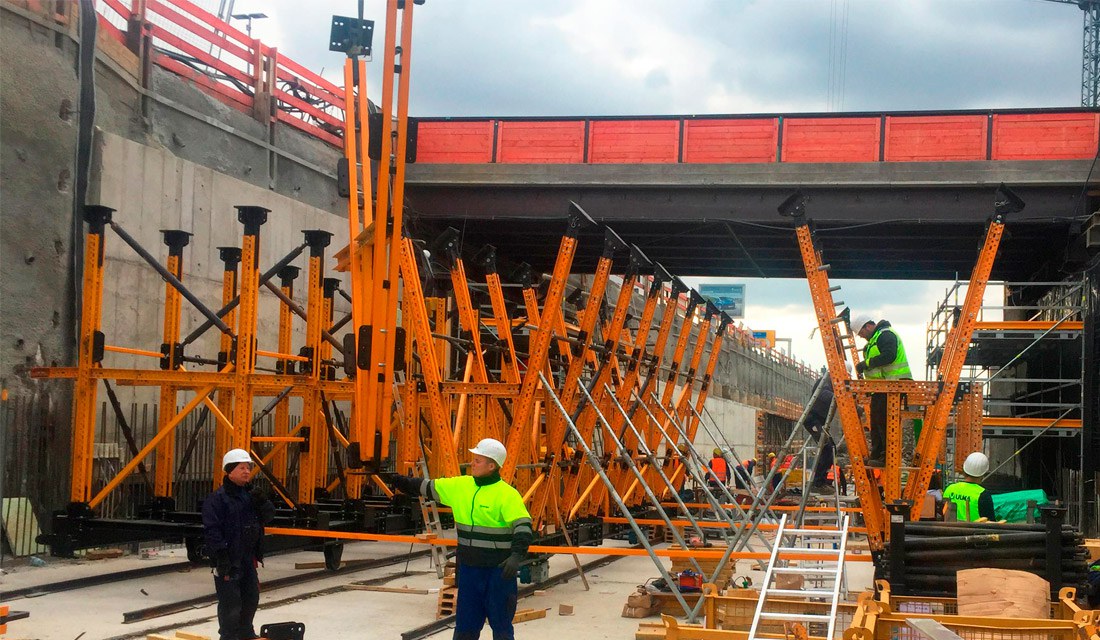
(613, 57)
(643, 57)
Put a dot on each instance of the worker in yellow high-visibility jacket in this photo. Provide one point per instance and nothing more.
(494, 531)
(883, 359)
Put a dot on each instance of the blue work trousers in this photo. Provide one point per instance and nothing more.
(238, 598)
(484, 594)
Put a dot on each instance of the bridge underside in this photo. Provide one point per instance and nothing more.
(897, 221)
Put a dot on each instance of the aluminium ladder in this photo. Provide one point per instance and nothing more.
(831, 564)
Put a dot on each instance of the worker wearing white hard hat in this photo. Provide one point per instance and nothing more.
(883, 359)
(233, 519)
(494, 531)
(972, 501)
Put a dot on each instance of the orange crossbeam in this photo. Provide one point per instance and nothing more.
(1028, 325)
(709, 524)
(699, 554)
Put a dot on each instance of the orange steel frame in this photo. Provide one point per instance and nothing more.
(427, 413)
(938, 398)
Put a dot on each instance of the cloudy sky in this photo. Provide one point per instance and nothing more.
(618, 57)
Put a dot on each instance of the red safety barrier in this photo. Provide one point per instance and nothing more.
(733, 140)
(1045, 136)
(936, 138)
(455, 142)
(633, 141)
(230, 66)
(548, 142)
(831, 139)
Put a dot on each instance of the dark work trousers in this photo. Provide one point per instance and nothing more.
(237, 602)
(878, 425)
(825, 458)
(484, 594)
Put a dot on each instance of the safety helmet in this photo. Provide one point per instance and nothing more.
(976, 464)
(771, 454)
(492, 449)
(861, 320)
(233, 457)
(717, 452)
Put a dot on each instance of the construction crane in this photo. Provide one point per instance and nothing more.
(1090, 55)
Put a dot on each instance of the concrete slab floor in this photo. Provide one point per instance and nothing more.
(95, 613)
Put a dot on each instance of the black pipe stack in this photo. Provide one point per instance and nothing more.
(925, 556)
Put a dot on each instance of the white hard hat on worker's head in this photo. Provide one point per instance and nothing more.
(235, 456)
(976, 464)
(492, 449)
(861, 320)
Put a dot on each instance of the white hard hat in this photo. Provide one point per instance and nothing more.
(848, 366)
(234, 456)
(976, 464)
(492, 449)
(861, 320)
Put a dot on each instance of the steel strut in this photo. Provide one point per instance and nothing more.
(519, 433)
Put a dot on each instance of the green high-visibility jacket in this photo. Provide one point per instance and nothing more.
(895, 370)
(966, 496)
(489, 514)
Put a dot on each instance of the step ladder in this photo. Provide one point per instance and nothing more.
(429, 511)
(830, 567)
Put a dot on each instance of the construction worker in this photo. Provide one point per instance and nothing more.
(742, 473)
(883, 359)
(718, 470)
(233, 519)
(494, 531)
(972, 501)
(814, 425)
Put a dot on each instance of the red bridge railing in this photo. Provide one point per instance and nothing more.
(1038, 134)
(227, 64)
(235, 68)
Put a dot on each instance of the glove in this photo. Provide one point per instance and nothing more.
(221, 563)
(405, 484)
(861, 367)
(509, 567)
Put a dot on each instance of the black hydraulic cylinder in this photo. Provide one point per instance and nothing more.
(1053, 516)
(899, 513)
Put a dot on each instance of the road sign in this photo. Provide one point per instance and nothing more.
(727, 297)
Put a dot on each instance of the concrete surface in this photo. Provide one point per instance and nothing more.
(97, 612)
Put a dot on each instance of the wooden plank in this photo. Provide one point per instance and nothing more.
(370, 587)
(551, 142)
(1045, 136)
(633, 141)
(731, 140)
(935, 138)
(455, 142)
(187, 635)
(102, 554)
(523, 615)
(830, 139)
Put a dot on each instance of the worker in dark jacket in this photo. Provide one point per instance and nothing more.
(494, 531)
(814, 424)
(233, 519)
(883, 359)
(972, 501)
